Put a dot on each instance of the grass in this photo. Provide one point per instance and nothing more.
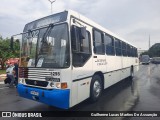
(2, 72)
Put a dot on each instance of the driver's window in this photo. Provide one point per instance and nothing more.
(82, 47)
(85, 44)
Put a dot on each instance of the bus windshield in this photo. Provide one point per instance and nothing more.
(46, 47)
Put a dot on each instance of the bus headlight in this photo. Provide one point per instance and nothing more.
(58, 85)
(61, 85)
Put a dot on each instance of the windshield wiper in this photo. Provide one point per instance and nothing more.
(49, 28)
(44, 40)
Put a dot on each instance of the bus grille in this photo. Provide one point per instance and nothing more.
(34, 73)
(36, 83)
(23, 72)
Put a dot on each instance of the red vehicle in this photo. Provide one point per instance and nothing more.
(12, 61)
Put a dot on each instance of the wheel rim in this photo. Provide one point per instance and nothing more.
(96, 88)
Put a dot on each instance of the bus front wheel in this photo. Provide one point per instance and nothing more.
(95, 88)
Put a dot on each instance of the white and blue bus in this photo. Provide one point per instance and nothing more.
(66, 58)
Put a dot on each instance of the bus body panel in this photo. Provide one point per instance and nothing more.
(81, 76)
(58, 98)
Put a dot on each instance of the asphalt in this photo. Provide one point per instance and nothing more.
(138, 94)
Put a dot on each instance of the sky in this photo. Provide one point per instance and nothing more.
(133, 20)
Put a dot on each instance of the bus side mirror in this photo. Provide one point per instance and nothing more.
(74, 38)
(77, 34)
(11, 43)
(82, 32)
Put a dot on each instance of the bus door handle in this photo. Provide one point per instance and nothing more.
(94, 56)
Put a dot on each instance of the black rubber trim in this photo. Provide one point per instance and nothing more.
(81, 79)
(103, 73)
(116, 70)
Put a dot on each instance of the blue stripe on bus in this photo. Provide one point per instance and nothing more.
(56, 97)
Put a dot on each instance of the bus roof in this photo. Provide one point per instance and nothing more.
(76, 15)
(94, 24)
(54, 18)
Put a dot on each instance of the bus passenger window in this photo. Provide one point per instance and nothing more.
(118, 47)
(109, 43)
(98, 42)
(129, 50)
(124, 49)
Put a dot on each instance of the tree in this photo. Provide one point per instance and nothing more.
(154, 51)
(1, 37)
(6, 52)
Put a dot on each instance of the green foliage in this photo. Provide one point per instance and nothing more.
(145, 53)
(154, 51)
(2, 72)
(1, 37)
(6, 52)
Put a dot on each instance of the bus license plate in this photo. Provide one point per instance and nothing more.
(34, 93)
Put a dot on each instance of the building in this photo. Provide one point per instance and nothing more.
(141, 51)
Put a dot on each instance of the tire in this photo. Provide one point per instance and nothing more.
(95, 88)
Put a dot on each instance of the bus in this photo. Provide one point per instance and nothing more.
(67, 58)
(145, 59)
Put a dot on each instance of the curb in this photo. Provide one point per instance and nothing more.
(1, 83)
(3, 75)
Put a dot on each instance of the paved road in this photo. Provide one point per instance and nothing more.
(139, 94)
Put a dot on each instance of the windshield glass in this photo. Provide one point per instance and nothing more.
(53, 48)
(45, 47)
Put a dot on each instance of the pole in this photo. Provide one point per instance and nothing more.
(149, 42)
(51, 4)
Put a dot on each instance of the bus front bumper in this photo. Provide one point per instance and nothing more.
(55, 97)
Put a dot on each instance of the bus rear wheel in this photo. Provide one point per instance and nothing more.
(95, 88)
